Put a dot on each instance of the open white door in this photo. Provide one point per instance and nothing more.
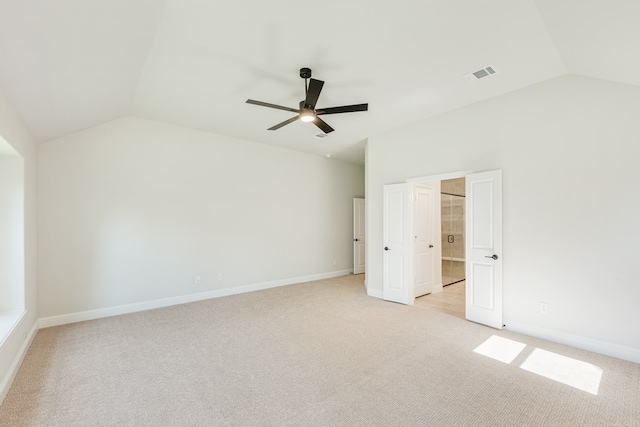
(424, 239)
(359, 243)
(484, 248)
(397, 285)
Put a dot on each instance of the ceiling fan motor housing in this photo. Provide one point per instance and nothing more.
(305, 73)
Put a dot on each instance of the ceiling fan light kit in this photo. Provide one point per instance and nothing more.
(307, 111)
(307, 116)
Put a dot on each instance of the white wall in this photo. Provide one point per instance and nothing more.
(569, 150)
(132, 210)
(14, 132)
(12, 232)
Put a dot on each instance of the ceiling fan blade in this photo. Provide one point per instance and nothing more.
(266, 104)
(343, 109)
(286, 122)
(313, 93)
(322, 125)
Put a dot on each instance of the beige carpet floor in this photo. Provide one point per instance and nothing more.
(314, 354)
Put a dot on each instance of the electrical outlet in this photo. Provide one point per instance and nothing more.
(220, 276)
(334, 262)
(544, 308)
(198, 279)
(24, 335)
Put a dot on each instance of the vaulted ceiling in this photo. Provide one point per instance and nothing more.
(72, 64)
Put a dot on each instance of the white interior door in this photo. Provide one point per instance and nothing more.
(424, 241)
(484, 248)
(397, 205)
(359, 242)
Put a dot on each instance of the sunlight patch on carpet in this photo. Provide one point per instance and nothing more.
(499, 348)
(572, 372)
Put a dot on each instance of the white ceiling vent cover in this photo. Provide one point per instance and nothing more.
(480, 74)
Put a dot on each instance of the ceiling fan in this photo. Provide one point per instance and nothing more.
(307, 111)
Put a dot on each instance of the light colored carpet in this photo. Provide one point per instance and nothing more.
(314, 354)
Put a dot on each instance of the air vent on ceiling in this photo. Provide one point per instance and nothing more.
(480, 74)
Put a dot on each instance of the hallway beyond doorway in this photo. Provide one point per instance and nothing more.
(449, 301)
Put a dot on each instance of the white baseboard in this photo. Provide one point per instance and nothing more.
(81, 316)
(595, 346)
(5, 385)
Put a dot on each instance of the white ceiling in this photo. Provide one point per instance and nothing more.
(72, 64)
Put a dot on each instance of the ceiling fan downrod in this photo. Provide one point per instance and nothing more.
(305, 73)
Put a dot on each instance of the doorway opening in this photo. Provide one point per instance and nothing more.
(452, 226)
(483, 243)
(449, 215)
(359, 241)
(12, 242)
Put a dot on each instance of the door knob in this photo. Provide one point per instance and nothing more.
(430, 246)
(355, 240)
(494, 256)
(386, 248)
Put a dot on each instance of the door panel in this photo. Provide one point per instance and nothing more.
(396, 272)
(482, 292)
(424, 241)
(396, 263)
(484, 248)
(482, 203)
